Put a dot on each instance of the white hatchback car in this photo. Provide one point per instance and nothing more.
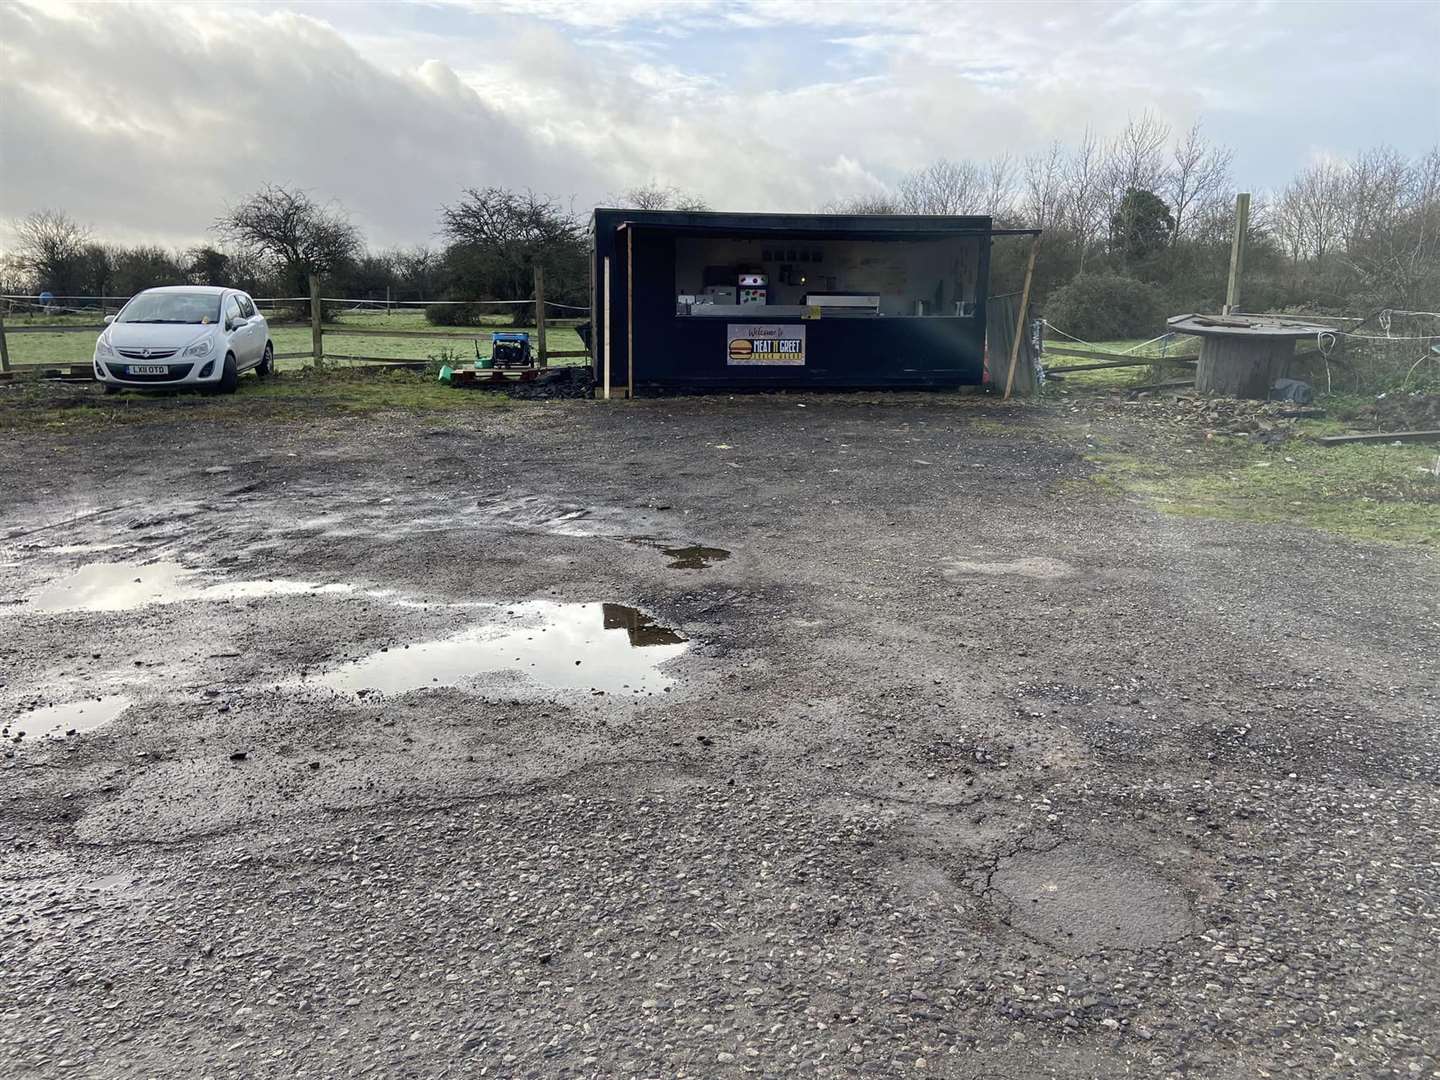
(184, 336)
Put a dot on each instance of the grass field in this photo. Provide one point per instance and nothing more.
(76, 348)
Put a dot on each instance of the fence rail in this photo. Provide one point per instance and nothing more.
(317, 352)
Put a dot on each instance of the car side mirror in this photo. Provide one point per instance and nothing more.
(109, 319)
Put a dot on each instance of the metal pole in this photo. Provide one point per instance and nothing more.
(1237, 251)
(1020, 316)
(607, 327)
(317, 344)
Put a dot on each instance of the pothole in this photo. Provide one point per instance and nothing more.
(1030, 567)
(71, 718)
(1082, 899)
(124, 586)
(682, 556)
(544, 645)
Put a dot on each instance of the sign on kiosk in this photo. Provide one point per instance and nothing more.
(767, 346)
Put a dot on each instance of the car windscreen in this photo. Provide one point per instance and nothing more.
(172, 307)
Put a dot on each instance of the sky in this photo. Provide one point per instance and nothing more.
(145, 121)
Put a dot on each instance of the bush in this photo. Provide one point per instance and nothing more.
(1107, 307)
(453, 314)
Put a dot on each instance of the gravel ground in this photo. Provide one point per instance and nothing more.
(951, 768)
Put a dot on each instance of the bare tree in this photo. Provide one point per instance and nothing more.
(943, 187)
(1311, 211)
(1042, 201)
(1134, 160)
(654, 196)
(1085, 192)
(53, 250)
(289, 229)
(1002, 175)
(497, 238)
(1199, 172)
(878, 203)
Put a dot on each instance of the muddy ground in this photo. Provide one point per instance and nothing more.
(952, 767)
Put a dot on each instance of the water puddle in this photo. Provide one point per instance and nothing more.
(124, 586)
(550, 646)
(687, 557)
(71, 718)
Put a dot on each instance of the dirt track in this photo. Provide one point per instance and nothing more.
(956, 772)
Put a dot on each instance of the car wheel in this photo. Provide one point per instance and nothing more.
(229, 377)
(267, 362)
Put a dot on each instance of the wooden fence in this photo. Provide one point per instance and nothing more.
(317, 353)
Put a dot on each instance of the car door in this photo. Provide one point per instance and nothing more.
(235, 331)
(254, 328)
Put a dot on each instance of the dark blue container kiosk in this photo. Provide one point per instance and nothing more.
(705, 301)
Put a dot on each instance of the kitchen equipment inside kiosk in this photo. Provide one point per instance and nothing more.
(722, 277)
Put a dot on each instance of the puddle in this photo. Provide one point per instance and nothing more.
(71, 718)
(609, 647)
(688, 557)
(1045, 569)
(123, 586)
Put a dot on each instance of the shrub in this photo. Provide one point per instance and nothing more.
(453, 314)
(1106, 307)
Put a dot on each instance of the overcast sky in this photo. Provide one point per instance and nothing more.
(144, 121)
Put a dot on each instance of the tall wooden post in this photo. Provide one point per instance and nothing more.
(1237, 251)
(317, 343)
(1020, 315)
(606, 301)
(540, 313)
(4, 348)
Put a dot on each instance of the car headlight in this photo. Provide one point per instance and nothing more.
(203, 347)
(102, 347)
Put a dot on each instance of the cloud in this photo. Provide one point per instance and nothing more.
(146, 120)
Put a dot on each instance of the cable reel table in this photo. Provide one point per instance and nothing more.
(1241, 355)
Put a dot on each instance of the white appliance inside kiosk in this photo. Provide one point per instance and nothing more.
(719, 276)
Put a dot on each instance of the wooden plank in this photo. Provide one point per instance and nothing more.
(1237, 252)
(346, 331)
(4, 349)
(1101, 354)
(65, 329)
(1118, 364)
(390, 361)
(1020, 316)
(303, 354)
(560, 353)
(1384, 437)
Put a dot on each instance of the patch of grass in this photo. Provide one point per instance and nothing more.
(291, 396)
(77, 348)
(1377, 493)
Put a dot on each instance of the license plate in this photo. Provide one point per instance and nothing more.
(148, 369)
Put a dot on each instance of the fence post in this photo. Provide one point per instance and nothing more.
(317, 343)
(540, 313)
(1237, 252)
(4, 348)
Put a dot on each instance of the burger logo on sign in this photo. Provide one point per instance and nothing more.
(740, 349)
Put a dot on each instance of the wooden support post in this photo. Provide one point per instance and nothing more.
(317, 343)
(4, 348)
(1020, 316)
(540, 313)
(606, 301)
(630, 312)
(1237, 252)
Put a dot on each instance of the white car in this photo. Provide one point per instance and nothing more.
(184, 336)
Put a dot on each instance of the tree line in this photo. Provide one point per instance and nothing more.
(1135, 226)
